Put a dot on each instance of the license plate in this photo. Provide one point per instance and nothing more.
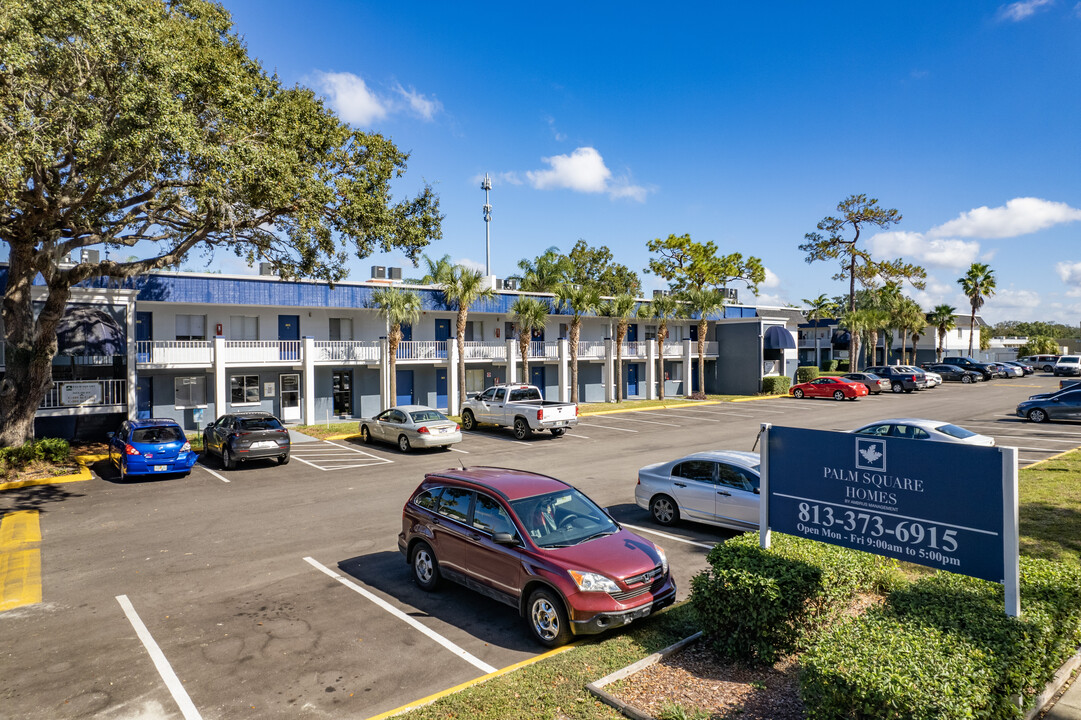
(264, 444)
(161, 468)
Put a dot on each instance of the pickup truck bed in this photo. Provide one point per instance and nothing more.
(520, 407)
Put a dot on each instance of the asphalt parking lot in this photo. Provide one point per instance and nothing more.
(278, 591)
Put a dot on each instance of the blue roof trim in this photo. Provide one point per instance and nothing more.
(223, 290)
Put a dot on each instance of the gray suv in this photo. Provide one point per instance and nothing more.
(902, 378)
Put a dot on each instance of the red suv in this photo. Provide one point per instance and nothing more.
(536, 544)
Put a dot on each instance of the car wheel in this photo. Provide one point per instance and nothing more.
(283, 460)
(548, 619)
(967, 379)
(559, 432)
(366, 435)
(838, 395)
(403, 443)
(468, 421)
(897, 387)
(1048, 368)
(425, 567)
(1037, 415)
(227, 462)
(664, 510)
(123, 469)
(798, 394)
(521, 429)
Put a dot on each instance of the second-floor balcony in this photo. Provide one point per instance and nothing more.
(175, 353)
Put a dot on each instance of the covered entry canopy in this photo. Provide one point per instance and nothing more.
(778, 338)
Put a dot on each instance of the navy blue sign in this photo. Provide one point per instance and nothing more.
(932, 503)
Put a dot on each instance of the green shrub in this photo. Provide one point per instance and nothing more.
(51, 450)
(947, 637)
(756, 604)
(842, 366)
(806, 373)
(776, 384)
(829, 366)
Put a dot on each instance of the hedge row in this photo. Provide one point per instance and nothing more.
(776, 384)
(940, 647)
(806, 373)
(51, 450)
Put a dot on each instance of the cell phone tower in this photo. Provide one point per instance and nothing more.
(486, 186)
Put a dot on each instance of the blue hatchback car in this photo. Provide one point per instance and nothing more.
(150, 447)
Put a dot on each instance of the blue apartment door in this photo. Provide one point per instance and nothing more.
(632, 380)
(632, 333)
(144, 398)
(289, 331)
(144, 332)
(405, 351)
(536, 377)
(694, 375)
(442, 334)
(403, 380)
(441, 388)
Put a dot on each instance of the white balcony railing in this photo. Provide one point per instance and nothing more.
(174, 352)
(590, 349)
(85, 393)
(544, 350)
(262, 352)
(485, 351)
(636, 349)
(422, 350)
(344, 351)
(672, 350)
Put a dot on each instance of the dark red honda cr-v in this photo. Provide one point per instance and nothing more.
(537, 544)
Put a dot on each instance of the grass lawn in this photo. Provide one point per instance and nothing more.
(1050, 512)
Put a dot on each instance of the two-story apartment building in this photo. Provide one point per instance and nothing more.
(826, 339)
(192, 346)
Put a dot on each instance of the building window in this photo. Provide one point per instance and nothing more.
(341, 329)
(243, 389)
(651, 332)
(191, 327)
(243, 327)
(474, 380)
(189, 391)
(959, 332)
(474, 330)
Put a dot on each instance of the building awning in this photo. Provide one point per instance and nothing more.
(840, 339)
(778, 338)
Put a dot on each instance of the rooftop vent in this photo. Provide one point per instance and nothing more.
(660, 293)
(394, 273)
(91, 257)
(266, 268)
(379, 272)
(510, 284)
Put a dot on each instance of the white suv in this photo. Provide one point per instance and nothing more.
(1068, 365)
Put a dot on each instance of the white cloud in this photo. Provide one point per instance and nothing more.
(1011, 299)
(583, 171)
(510, 178)
(419, 104)
(942, 252)
(770, 300)
(771, 280)
(1070, 272)
(351, 98)
(470, 264)
(1019, 216)
(560, 137)
(1022, 10)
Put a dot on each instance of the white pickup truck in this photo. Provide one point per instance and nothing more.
(521, 407)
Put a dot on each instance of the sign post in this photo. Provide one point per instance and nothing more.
(948, 506)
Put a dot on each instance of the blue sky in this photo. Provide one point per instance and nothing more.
(743, 124)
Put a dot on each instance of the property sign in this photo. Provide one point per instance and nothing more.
(940, 504)
(80, 393)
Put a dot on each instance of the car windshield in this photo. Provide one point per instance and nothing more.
(1069, 359)
(562, 518)
(260, 423)
(423, 416)
(954, 431)
(156, 435)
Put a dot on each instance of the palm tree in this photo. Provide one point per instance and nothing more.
(978, 284)
(702, 302)
(663, 307)
(942, 318)
(529, 315)
(856, 322)
(620, 308)
(546, 273)
(820, 308)
(399, 307)
(462, 287)
(581, 300)
(910, 320)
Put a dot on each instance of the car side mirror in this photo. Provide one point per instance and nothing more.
(757, 491)
(504, 538)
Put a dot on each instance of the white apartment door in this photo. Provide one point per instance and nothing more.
(290, 397)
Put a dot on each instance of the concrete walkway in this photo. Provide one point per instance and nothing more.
(1068, 706)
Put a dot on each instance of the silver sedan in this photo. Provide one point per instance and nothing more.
(921, 429)
(716, 487)
(410, 426)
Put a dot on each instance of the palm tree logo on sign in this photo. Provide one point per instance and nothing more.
(871, 454)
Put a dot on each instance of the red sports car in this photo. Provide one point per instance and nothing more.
(837, 388)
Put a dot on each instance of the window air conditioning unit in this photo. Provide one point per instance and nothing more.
(379, 272)
(395, 273)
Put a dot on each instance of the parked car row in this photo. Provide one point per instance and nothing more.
(1057, 364)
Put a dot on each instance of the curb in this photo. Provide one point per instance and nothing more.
(1060, 678)
(83, 474)
(628, 710)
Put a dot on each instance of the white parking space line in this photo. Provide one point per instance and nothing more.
(608, 427)
(1037, 449)
(187, 707)
(454, 449)
(322, 457)
(687, 417)
(215, 474)
(1035, 439)
(658, 533)
(648, 422)
(476, 662)
(575, 435)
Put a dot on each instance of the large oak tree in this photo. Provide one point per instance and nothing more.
(144, 128)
